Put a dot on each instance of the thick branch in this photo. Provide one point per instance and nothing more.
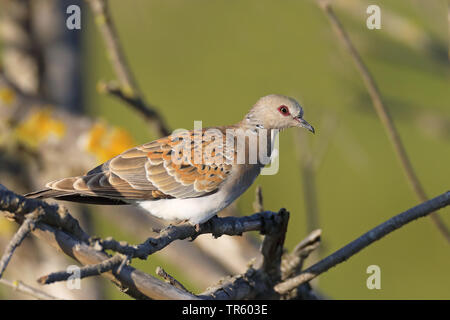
(365, 240)
(54, 215)
(258, 283)
(78, 159)
(134, 282)
(250, 285)
(137, 284)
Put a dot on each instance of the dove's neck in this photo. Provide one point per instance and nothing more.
(251, 123)
(264, 138)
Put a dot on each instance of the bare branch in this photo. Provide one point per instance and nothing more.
(308, 179)
(16, 240)
(448, 28)
(273, 244)
(137, 283)
(129, 91)
(365, 240)
(382, 112)
(62, 235)
(250, 285)
(257, 283)
(25, 162)
(86, 271)
(258, 204)
(169, 279)
(216, 226)
(292, 263)
(26, 289)
(54, 215)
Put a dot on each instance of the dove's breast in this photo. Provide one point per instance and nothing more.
(200, 209)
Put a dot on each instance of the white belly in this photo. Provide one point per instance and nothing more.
(198, 210)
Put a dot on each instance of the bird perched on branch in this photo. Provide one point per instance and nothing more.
(187, 176)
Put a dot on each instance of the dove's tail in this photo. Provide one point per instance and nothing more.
(72, 196)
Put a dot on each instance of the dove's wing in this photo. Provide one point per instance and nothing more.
(156, 170)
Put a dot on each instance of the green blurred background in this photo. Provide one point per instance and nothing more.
(210, 60)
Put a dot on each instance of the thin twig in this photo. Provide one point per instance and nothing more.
(365, 240)
(252, 284)
(137, 283)
(26, 289)
(292, 263)
(308, 179)
(137, 103)
(310, 160)
(16, 240)
(448, 29)
(382, 112)
(86, 271)
(169, 279)
(129, 91)
(258, 204)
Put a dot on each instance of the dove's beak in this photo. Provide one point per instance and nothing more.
(304, 124)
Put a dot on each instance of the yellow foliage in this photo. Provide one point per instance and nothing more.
(7, 96)
(38, 127)
(106, 143)
(100, 19)
(7, 227)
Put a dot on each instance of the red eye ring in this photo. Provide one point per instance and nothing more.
(284, 110)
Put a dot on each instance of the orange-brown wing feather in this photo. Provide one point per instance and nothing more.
(155, 170)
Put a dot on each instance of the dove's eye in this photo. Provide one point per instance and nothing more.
(284, 110)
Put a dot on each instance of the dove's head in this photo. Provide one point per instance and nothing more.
(277, 112)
